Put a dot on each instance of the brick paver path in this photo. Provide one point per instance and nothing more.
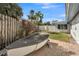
(57, 48)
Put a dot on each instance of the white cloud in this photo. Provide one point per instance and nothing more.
(24, 16)
(62, 15)
(58, 19)
(45, 4)
(48, 6)
(53, 19)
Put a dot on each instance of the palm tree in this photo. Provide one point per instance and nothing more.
(36, 17)
(31, 16)
(32, 12)
(39, 16)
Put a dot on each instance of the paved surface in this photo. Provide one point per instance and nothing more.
(57, 48)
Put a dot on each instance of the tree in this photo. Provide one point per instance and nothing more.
(31, 16)
(39, 16)
(47, 23)
(35, 17)
(11, 9)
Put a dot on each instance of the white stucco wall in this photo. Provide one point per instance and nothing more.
(52, 28)
(75, 29)
(75, 32)
(49, 28)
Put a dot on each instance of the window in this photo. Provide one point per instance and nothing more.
(58, 26)
(62, 26)
(65, 26)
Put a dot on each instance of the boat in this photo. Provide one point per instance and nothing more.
(27, 45)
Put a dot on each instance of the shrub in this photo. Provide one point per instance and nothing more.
(26, 27)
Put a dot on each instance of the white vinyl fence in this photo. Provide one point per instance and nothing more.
(51, 28)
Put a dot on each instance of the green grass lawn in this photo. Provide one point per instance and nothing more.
(59, 36)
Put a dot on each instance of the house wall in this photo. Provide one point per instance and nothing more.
(75, 29)
(72, 10)
(72, 16)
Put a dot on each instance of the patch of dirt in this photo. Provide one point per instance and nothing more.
(57, 48)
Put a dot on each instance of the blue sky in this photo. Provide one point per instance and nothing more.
(51, 11)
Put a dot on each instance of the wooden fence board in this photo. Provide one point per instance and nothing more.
(8, 30)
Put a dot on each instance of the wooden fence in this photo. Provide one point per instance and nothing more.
(8, 30)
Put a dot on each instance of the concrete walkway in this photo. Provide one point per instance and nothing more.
(57, 48)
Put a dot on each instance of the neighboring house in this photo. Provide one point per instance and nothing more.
(72, 16)
(58, 26)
